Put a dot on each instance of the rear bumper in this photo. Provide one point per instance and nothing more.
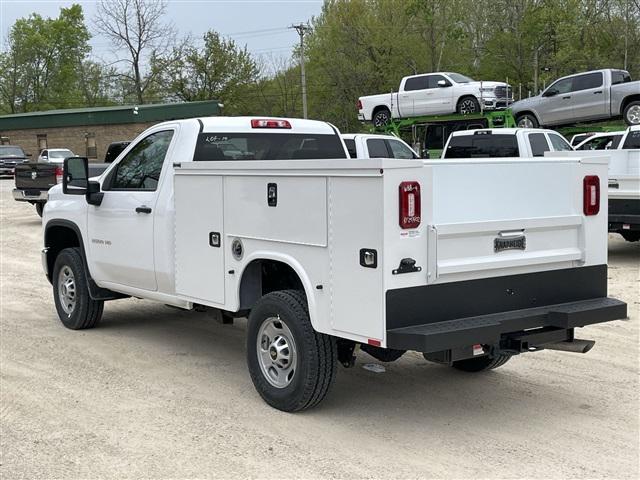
(624, 214)
(30, 196)
(7, 170)
(497, 310)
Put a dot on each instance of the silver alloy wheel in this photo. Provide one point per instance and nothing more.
(468, 106)
(67, 289)
(276, 352)
(381, 119)
(633, 115)
(525, 122)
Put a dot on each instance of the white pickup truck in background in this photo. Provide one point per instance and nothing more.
(624, 183)
(362, 145)
(503, 143)
(467, 261)
(438, 93)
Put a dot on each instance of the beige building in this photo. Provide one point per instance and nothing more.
(88, 131)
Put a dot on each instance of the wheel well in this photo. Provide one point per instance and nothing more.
(467, 96)
(56, 239)
(626, 101)
(378, 108)
(263, 276)
(526, 112)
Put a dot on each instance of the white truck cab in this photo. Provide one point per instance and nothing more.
(468, 262)
(504, 142)
(363, 145)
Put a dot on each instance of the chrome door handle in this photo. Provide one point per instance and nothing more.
(596, 93)
(567, 97)
(143, 209)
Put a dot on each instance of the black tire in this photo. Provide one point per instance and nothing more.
(468, 106)
(381, 118)
(631, 113)
(480, 364)
(316, 353)
(527, 120)
(86, 312)
(39, 208)
(630, 236)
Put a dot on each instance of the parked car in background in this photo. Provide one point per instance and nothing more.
(114, 149)
(361, 145)
(54, 155)
(438, 93)
(10, 156)
(504, 142)
(601, 141)
(584, 97)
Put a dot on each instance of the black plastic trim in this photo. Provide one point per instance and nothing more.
(96, 292)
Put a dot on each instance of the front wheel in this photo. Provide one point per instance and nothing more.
(76, 309)
(631, 113)
(291, 365)
(468, 105)
(527, 121)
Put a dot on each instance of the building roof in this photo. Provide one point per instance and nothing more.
(120, 114)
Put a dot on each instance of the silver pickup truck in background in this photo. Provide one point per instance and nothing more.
(583, 97)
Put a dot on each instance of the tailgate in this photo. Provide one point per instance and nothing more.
(35, 176)
(501, 217)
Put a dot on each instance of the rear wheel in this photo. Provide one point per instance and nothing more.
(631, 113)
(381, 118)
(468, 105)
(76, 309)
(291, 365)
(480, 364)
(527, 121)
(631, 236)
(39, 208)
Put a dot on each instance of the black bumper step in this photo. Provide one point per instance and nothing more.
(488, 329)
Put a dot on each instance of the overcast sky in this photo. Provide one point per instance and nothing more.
(260, 24)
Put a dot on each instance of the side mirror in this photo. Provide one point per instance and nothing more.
(75, 176)
(550, 93)
(442, 83)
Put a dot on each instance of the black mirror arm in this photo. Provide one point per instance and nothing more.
(94, 195)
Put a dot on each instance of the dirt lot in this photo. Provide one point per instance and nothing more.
(158, 393)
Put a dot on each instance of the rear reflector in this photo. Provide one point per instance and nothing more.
(409, 205)
(375, 343)
(267, 123)
(359, 105)
(59, 174)
(591, 195)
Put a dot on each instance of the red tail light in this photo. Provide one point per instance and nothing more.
(409, 205)
(591, 195)
(359, 105)
(59, 174)
(267, 123)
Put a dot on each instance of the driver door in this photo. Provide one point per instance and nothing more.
(556, 109)
(121, 228)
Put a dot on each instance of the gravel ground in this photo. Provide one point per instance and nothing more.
(159, 393)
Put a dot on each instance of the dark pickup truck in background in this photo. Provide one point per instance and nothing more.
(10, 157)
(33, 180)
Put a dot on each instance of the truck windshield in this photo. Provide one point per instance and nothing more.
(267, 146)
(60, 154)
(11, 152)
(474, 146)
(456, 77)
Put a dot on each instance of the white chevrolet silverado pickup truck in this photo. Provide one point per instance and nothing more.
(469, 262)
(438, 93)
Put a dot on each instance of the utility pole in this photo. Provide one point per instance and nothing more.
(302, 29)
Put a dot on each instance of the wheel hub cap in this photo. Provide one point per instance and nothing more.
(67, 290)
(276, 352)
(634, 115)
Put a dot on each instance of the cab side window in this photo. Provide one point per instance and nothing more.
(562, 86)
(141, 168)
(559, 143)
(400, 150)
(538, 144)
(416, 83)
(377, 148)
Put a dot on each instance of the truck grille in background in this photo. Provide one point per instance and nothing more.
(503, 92)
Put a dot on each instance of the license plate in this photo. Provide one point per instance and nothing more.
(509, 243)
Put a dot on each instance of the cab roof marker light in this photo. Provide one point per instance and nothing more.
(269, 123)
